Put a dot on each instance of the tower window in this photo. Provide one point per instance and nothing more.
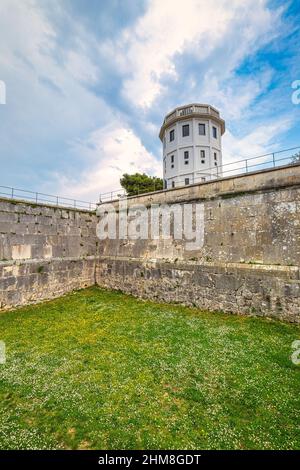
(185, 130)
(215, 156)
(173, 184)
(172, 135)
(186, 157)
(202, 130)
(202, 153)
(172, 158)
(202, 161)
(187, 181)
(214, 129)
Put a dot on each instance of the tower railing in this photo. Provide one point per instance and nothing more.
(190, 109)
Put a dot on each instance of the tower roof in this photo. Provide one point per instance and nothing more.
(194, 110)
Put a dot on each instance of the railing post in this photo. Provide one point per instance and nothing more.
(36, 197)
(57, 200)
(12, 193)
(246, 161)
(274, 161)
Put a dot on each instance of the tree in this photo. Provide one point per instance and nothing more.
(140, 183)
(296, 158)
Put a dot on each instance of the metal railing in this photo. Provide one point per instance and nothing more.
(191, 109)
(245, 166)
(240, 167)
(41, 198)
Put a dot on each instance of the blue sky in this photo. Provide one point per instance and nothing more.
(88, 83)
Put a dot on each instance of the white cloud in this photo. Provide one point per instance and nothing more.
(29, 36)
(110, 152)
(81, 68)
(199, 27)
(234, 97)
(37, 81)
(48, 100)
(262, 140)
(218, 35)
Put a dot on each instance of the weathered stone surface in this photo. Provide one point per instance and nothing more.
(35, 280)
(248, 264)
(41, 232)
(253, 290)
(250, 259)
(44, 252)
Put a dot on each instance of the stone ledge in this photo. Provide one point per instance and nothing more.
(45, 260)
(231, 186)
(294, 271)
(45, 204)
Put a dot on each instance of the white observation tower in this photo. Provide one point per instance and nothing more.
(192, 149)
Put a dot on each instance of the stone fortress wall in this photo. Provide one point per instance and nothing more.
(249, 262)
(44, 251)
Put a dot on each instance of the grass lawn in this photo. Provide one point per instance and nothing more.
(100, 369)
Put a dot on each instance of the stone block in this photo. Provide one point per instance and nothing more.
(21, 252)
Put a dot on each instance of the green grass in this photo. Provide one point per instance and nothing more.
(99, 369)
